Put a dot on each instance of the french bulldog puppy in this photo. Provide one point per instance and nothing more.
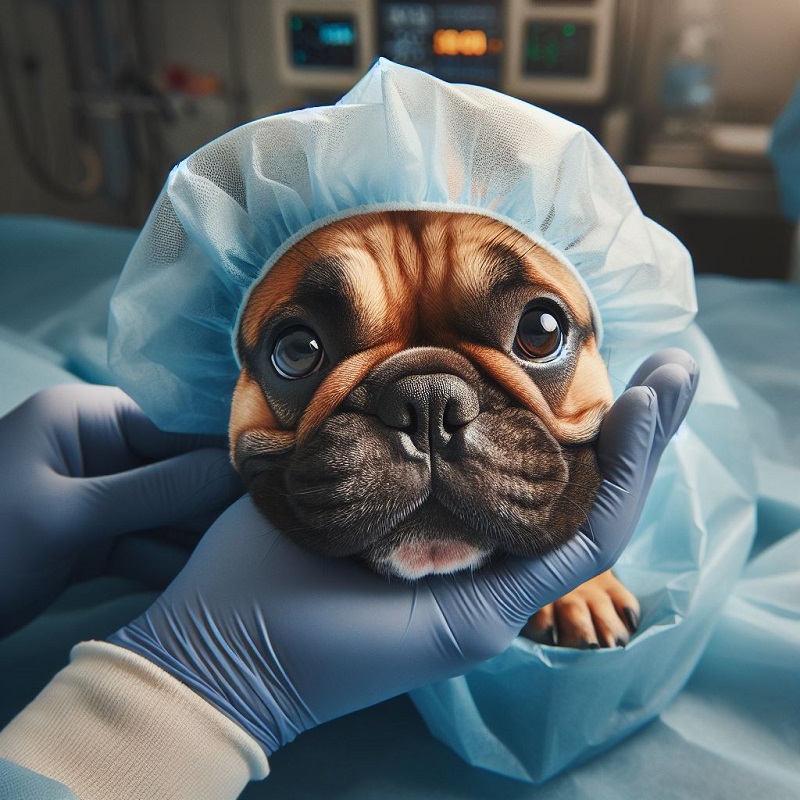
(422, 389)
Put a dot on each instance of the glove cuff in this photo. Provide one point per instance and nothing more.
(112, 724)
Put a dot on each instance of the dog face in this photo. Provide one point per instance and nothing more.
(420, 388)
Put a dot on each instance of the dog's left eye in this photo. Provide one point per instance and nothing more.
(297, 352)
(540, 333)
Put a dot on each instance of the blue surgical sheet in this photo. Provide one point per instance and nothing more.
(731, 730)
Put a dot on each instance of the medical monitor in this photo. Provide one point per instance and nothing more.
(551, 50)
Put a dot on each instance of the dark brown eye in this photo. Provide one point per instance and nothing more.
(297, 353)
(540, 334)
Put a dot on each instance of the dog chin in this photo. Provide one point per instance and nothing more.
(416, 559)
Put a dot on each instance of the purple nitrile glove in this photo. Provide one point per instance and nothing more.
(281, 640)
(81, 465)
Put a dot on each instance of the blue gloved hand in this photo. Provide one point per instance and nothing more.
(280, 640)
(80, 465)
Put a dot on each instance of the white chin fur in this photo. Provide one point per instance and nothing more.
(415, 560)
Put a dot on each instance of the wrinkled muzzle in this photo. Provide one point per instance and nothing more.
(427, 467)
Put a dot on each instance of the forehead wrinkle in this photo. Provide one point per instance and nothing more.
(369, 289)
(410, 270)
(482, 261)
(483, 273)
(504, 269)
(325, 276)
(506, 249)
(374, 252)
(408, 244)
(436, 247)
(386, 292)
(392, 240)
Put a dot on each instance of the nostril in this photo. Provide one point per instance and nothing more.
(430, 407)
(453, 417)
(412, 425)
(398, 412)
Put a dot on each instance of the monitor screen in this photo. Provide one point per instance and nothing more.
(558, 49)
(460, 42)
(319, 40)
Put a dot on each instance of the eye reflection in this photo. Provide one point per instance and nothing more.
(297, 353)
(540, 333)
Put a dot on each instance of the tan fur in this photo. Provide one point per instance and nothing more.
(278, 288)
(251, 413)
(339, 384)
(409, 272)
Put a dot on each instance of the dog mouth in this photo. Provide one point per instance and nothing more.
(501, 485)
(416, 559)
(425, 470)
(431, 541)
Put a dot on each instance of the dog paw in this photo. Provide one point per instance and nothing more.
(600, 613)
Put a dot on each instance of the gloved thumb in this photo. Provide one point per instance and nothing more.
(632, 439)
(158, 494)
(521, 586)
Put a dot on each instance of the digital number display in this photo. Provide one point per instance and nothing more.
(459, 41)
(450, 42)
(322, 41)
(558, 49)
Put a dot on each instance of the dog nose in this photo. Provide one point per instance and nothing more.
(430, 408)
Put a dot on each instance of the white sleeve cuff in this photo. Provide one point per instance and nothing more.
(112, 724)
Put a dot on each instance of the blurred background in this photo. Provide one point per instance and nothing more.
(99, 98)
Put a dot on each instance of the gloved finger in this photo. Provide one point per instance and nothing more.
(150, 442)
(154, 495)
(626, 439)
(520, 586)
(669, 355)
(129, 432)
(100, 430)
(675, 386)
(674, 389)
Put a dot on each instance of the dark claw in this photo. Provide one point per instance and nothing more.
(587, 645)
(631, 619)
(547, 636)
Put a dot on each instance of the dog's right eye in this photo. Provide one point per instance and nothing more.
(297, 353)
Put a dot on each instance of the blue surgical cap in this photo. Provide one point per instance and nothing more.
(400, 139)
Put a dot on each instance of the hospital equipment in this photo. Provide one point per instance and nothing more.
(103, 97)
(558, 51)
